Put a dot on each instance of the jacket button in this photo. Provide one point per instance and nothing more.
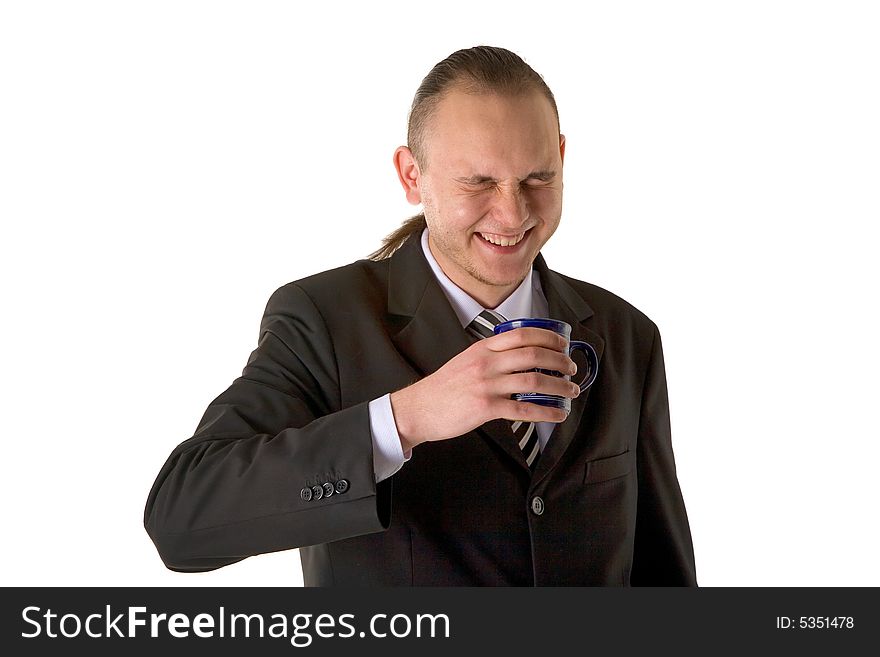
(342, 485)
(328, 489)
(306, 494)
(317, 492)
(537, 505)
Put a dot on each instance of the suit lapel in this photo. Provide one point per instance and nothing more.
(566, 304)
(431, 333)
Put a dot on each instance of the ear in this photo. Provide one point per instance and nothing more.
(562, 147)
(408, 173)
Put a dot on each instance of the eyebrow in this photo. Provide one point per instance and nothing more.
(543, 176)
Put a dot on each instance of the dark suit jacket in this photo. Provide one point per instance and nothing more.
(461, 511)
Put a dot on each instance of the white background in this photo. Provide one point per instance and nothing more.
(165, 166)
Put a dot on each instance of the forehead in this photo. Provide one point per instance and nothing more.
(492, 134)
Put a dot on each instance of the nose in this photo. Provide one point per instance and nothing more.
(510, 208)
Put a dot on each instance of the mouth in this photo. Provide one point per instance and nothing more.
(505, 241)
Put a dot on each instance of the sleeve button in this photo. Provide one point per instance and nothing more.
(328, 489)
(342, 485)
(317, 492)
(306, 494)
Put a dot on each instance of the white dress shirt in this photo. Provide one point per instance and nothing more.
(527, 300)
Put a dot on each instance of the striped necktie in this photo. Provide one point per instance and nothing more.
(526, 434)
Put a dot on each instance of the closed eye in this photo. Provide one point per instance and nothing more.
(477, 181)
(533, 180)
(540, 178)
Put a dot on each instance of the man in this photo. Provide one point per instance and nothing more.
(373, 431)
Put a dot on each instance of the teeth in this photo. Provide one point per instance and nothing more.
(502, 240)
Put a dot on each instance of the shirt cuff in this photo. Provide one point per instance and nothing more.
(388, 456)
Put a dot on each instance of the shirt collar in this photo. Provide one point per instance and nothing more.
(518, 304)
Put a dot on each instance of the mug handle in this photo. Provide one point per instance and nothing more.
(592, 361)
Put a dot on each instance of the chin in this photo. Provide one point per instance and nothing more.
(507, 268)
(503, 278)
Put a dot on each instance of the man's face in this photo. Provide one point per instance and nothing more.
(491, 186)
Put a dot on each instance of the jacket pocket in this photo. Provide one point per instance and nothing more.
(608, 468)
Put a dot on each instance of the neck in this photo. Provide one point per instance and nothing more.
(488, 296)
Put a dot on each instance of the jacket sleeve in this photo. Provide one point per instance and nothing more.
(236, 488)
(663, 553)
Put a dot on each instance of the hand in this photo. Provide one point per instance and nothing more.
(475, 387)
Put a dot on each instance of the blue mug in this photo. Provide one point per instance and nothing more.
(563, 329)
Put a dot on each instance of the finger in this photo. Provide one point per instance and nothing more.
(516, 411)
(523, 359)
(537, 382)
(526, 337)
